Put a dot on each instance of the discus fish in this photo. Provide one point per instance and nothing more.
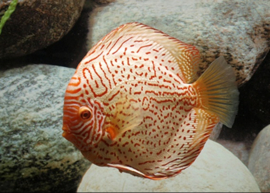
(136, 103)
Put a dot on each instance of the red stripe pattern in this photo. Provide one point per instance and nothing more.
(133, 84)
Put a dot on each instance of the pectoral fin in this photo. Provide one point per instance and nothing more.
(123, 115)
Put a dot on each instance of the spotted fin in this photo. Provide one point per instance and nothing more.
(123, 114)
(187, 57)
(217, 91)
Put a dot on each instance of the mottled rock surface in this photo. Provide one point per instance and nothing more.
(36, 24)
(239, 30)
(215, 170)
(259, 159)
(33, 155)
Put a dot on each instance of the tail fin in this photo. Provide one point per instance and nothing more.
(218, 91)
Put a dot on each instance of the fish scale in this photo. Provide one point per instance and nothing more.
(133, 104)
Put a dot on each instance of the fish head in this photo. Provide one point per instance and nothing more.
(83, 117)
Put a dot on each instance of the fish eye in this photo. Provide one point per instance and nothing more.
(85, 113)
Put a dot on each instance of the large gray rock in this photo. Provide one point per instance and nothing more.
(239, 30)
(259, 159)
(215, 170)
(34, 156)
(36, 24)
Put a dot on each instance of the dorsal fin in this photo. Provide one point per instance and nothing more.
(186, 56)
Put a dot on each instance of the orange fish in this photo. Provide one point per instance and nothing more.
(136, 103)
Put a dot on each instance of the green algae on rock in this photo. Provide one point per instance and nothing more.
(37, 24)
(7, 14)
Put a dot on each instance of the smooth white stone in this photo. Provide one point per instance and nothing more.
(216, 169)
(259, 159)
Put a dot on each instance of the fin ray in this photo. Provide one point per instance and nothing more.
(218, 91)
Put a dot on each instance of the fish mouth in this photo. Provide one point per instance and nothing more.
(66, 132)
(68, 135)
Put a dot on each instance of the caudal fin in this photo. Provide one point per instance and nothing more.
(218, 91)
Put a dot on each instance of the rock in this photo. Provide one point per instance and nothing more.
(239, 149)
(254, 107)
(239, 30)
(34, 155)
(216, 131)
(216, 169)
(36, 24)
(103, 1)
(259, 159)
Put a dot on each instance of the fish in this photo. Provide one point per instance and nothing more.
(136, 102)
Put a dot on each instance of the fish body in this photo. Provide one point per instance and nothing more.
(136, 103)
